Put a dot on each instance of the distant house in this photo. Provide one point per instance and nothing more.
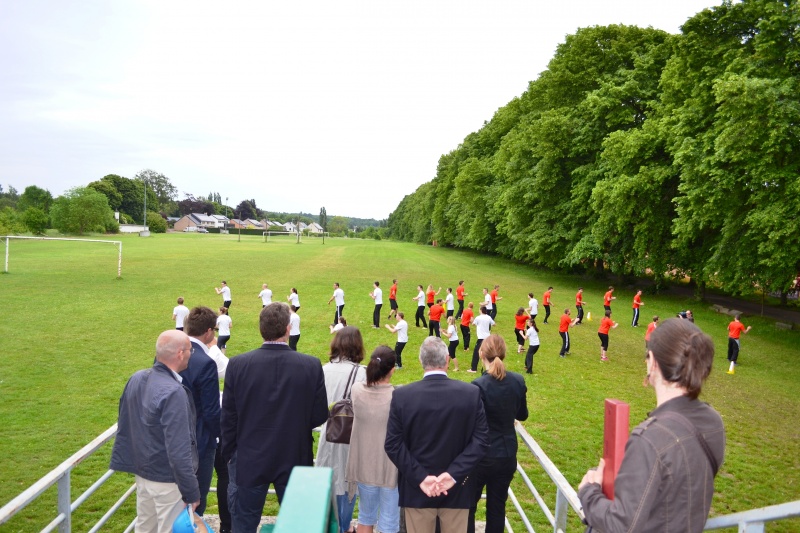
(222, 220)
(237, 224)
(302, 226)
(254, 224)
(315, 228)
(289, 226)
(198, 220)
(172, 220)
(272, 225)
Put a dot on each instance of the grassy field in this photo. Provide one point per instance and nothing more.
(72, 334)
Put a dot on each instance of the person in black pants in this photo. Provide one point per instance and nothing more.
(504, 400)
(221, 467)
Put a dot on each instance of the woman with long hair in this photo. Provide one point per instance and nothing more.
(520, 318)
(224, 325)
(452, 337)
(533, 344)
(343, 370)
(504, 399)
(294, 298)
(369, 469)
(666, 480)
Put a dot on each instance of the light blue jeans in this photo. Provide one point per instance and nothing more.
(345, 509)
(379, 505)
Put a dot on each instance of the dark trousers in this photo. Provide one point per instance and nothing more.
(222, 491)
(546, 313)
(580, 314)
(460, 308)
(733, 349)
(205, 471)
(398, 350)
(433, 328)
(421, 316)
(247, 503)
(493, 312)
(494, 473)
(519, 334)
(475, 356)
(376, 315)
(529, 358)
(564, 342)
(450, 313)
(465, 334)
(339, 311)
(451, 348)
(635, 321)
(293, 339)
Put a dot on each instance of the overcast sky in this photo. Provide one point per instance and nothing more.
(299, 104)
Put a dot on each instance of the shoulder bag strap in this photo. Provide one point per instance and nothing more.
(700, 439)
(350, 381)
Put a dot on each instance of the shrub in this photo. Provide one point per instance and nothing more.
(156, 223)
(36, 220)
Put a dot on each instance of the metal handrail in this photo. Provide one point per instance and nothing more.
(753, 521)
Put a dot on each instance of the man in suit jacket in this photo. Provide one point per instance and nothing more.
(202, 380)
(436, 435)
(274, 397)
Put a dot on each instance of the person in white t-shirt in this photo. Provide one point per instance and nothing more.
(449, 303)
(294, 328)
(401, 328)
(265, 295)
(338, 296)
(452, 336)
(487, 301)
(219, 358)
(225, 291)
(179, 314)
(533, 305)
(533, 344)
(377, 295)
(420, 298)
(294, 299)
(224, 325)
(483, 328)
(341, 325)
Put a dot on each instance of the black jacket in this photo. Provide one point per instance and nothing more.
(504, 401)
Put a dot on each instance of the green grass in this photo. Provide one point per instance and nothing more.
(72, 334)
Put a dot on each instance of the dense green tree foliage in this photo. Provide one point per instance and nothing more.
(37, 197)
(36, 220)
(80, 210)
(640, 152)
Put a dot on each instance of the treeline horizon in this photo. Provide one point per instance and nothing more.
(639, 152)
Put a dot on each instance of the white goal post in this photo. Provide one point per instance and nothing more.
(268, 234)
(117, 243)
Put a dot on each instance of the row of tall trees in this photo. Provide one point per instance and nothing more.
(642, 152)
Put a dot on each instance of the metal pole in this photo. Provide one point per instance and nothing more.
(119, 262)
(6, 270)
(65, 503)
(145, 203)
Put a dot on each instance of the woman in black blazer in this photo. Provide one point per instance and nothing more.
(504, 400)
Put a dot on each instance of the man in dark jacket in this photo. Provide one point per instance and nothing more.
(436, 435)
(274, 397)
(201, 378)
(156, 436)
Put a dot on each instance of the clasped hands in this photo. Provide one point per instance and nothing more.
(437, 485)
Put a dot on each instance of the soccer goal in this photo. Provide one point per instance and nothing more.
(117, 243)
(269, 234)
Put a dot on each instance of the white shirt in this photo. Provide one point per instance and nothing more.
(449, 302)
(488, 300)
(451, 333)
(266, 296)
(533, 305)
(226, 293)
(294, 299)
(337, 327)
(338, 297)
(224, 325)
(219, 358)
(402, 331)
(483, 324)
(533, 337)
(421, 299)
(180, 312)
(294, 324)
(378, 295)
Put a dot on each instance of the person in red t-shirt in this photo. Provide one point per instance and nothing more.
(607, 297)
(579, 306)
(605, 326)
(495, 299)
(637, 302)
(519, 328)
(393, 299)
(563, 330)
(434, 316)
(431, 294)
(466, 319)
(460, 298)
(546, 304)
(651, 327)
(735, 330)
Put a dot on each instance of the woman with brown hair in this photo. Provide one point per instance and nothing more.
(666, 480)
(504, 400)
(343, 370)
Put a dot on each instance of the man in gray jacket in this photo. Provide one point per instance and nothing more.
(156, 436)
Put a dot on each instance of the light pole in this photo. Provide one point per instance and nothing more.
(145, 202)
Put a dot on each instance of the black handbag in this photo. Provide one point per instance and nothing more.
(340, 418)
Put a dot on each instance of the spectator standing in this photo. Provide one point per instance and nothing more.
(338, 297)
(504, 400)
(156, 437)
(294, 299)
(370, 472)
(563, 330)
(466, 320)
(520, 319)
(179, 314)
(393, 299)
(606, 324)
(735, 330)
(225, 291)
(401, 329)
(347, 351)
(265, 295)
(434, 471)
(266, 431)
(377, 297)
(533, 345)
(224, 325)
(420, 298)
(294, 328)
(637, 302)
(483, 327)
(200, 377)
(460, 293)
(546, 303)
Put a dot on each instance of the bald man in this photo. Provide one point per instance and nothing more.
(156, 436)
